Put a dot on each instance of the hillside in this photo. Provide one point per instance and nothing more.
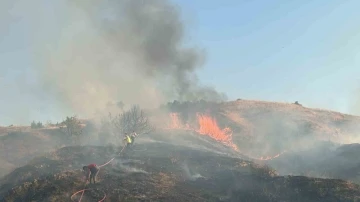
(268, 128)
(325, 124)
(293, 139)
(258, 129)
(163, 172)
(18, 145)
(328, 161)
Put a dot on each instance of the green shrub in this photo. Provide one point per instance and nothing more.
(35, 125)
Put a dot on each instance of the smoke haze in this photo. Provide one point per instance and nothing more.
(119, 50)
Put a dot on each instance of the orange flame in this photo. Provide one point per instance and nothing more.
(207, 126)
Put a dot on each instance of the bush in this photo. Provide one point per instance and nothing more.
(72, 128)
(134, 119)
(297, 103)
(37, 125)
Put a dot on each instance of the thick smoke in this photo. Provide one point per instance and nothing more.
(128, 50)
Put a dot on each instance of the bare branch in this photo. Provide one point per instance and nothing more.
(134, 119)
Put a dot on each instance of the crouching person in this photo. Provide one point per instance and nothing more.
(91, 171)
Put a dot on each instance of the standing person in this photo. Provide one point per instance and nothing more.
(127, 143)
(91, 171)
(127, 139)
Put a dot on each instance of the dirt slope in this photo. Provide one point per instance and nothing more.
(328, 161)
(268, 128)
(249, 113)
(19, 145)
(258, 129)
(164, 172)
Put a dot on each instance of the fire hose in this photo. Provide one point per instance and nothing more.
(83, 190)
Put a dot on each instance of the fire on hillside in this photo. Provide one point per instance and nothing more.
(208, 126)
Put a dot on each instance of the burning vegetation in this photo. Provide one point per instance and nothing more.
(206, 126)
(160, 170)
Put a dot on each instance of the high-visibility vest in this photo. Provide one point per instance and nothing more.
(128, 139)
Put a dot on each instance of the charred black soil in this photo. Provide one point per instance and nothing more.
(163, 172)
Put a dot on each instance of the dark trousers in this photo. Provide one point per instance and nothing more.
(132, 140)
(93, 173)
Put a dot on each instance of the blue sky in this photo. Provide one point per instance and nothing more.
(276, 50)
(280, 50)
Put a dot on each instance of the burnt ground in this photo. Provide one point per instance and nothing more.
(327, 161)
(163, 172)
(158, 171)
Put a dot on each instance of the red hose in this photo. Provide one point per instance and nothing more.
(83, 190)
(82, 195)
(107, 162)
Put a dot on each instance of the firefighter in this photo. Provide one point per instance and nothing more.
(91, 171)
(127, 139)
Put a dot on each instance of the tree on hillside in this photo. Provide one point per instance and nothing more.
(71, 126)
(35, 125)
(134, 119)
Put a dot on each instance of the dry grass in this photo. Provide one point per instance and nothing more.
(244, 117)
(18, 145)
(323, 123)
